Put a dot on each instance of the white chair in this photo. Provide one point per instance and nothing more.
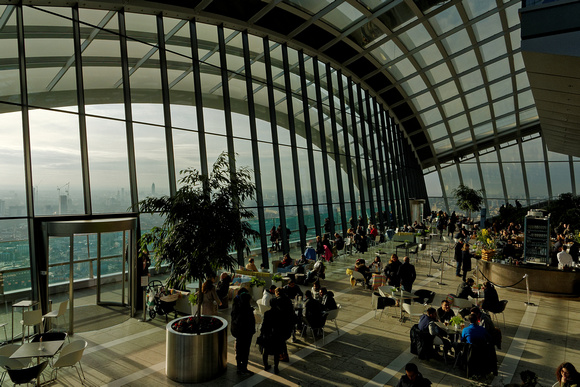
(377, 240)
(358, 277)
(348, 246)
(332, 315)
(414, 310)
(55, 314)
(31, 318)
(70, 356)
(261, 310)
(388, 302)
(306, 326)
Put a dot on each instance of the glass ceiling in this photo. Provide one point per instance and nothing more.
(455, 65)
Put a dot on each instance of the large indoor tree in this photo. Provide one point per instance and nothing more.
(204, 223)
(468, 199)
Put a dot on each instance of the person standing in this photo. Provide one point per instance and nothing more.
(407, 274)
(458, 257)
(465, 260)
(210, 302)
(392, 271)
(243, 327)
(273, 336)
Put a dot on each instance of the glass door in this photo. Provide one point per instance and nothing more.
(90, 266)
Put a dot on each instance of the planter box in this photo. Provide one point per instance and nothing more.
(256, 292)
(194, 358)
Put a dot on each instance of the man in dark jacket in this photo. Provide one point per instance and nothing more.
(413, 377)
(458, 257)
(243, 327)
(407, 275)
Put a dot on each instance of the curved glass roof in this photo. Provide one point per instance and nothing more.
(450, 71)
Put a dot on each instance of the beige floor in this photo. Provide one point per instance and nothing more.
(367, 351)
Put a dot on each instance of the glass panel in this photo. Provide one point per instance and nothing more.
(402, 69)
(462, 138)
(446, 91)
(431, 116)
(244, 159)
(415, 37)
(492, 180)
(560, 178)
(342, 16)
(554, 156)
(151, 161)
(310, 6)
(533, 150)
(58, 76)
(14, 253)
(185, 151)
(458, 123)
(103, 89)
(428, 55)
(56, 163)
(267, 174)
(483, 131)
(464, 62)
(497, 70)
(437, 132)
(476, 98)
(387, 52)
(493, 49)
(108, 162)
(446, 20)
(442, 146)
(424, 101)
(414, 85)
(487, 27)
(577, 176)
(13, 191)
(398, 17)
(474, 8)
(471, 80)
(305, 183)
(513, 174)
(502, 107)
(9, 78)
(510, 153)
(470, 175)
(456, 42)
(438, 74)
(450, 179)
(288, 176)
(537, 183)
(433, 184)
(453, 107)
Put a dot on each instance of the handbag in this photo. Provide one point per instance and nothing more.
(260, 342)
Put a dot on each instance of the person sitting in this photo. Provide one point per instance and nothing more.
(362, 268)
(268, 295)
(413, 377)
(313, 311)
(445, 313)
(465, 290)
(490, 298)
(316, 290)
(251, 266)
(338, 242)
(316, 272)
(376, 265)
(427, 325)
(327, 299)
(474, 333)
(223, 288)
(567, 375)
(286, 261)
(509, 250)
(292, 290)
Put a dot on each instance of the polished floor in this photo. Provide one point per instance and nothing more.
(367, 350)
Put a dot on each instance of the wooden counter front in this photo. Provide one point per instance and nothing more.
(540, 278)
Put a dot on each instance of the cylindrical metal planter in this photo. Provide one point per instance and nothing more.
(196, 358)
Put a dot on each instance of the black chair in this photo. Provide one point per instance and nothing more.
(477, 359)
(500, 310)
(425, 296)
(50, 336)
(26, 375)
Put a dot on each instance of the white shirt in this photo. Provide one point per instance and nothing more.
(266, 298)
(564, 259)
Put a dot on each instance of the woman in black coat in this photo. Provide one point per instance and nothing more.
(466, 260)
(243, 327)
(490, 298)
(274, 333)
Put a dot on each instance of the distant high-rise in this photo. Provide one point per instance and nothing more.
(153, 189)
(63, 204)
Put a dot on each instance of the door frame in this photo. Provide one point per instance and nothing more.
(68, 228)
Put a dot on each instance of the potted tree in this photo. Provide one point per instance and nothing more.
(277, 280)
(468, 199)
(203, 226)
